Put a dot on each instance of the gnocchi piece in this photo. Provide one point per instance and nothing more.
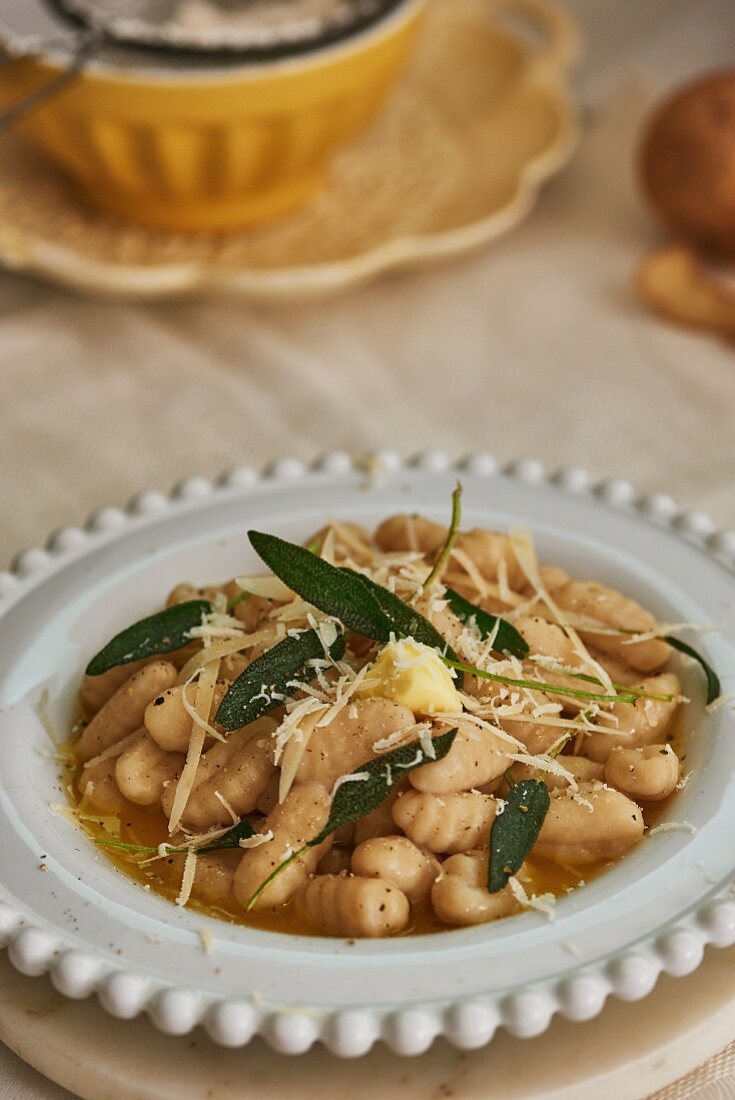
(488, 549)
(294, 822)
(460, 896)
(181, 593)
(536, 736)
(396, 859)
(342, 905)
(547, 639)
(335, 861)
(252, 611)
(213, 874)
(350, 541)
(96, 690)
(605, 605)
(380, 822)
(649, 774)
(475, 758)
(143, 769)
(583, 770)
(645, 722)
(454, 823)
(98, 787)
(552, 578)
(346, 742)
(403, 532)
(232, 773)
(443, 618)
(167, 720)
(594, 824)
(123, 712)
(268, 799)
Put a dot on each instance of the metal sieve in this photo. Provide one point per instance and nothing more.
(255, 28)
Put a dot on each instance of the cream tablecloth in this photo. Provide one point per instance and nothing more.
(535, 346)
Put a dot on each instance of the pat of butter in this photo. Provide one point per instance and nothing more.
(413, 674)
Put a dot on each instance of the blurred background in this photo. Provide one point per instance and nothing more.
(525, 335)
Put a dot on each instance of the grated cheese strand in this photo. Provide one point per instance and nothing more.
(187, 879)
(202, 707)
(544, 903)
(266, 637)
(525, 553)
(294, 752)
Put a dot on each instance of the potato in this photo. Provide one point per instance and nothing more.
(688, 162)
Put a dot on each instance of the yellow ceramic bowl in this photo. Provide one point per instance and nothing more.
(217, 148)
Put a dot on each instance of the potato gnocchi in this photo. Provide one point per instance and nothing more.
(269, 746)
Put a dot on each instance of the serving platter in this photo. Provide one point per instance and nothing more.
(97, 932)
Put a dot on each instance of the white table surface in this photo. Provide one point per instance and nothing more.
(534, 346)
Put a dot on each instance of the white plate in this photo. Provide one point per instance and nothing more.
(96, 931)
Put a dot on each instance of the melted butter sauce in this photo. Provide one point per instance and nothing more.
(149, 826)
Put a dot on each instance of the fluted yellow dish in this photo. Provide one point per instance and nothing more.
(194, 149)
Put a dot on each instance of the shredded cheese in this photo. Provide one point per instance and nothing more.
(202, 707)
(112, 751)
(206, 940)
(544, 903)
(266, 585)
(353, 777)
(187, 879)
(674, 826)
(221, 799)
(256, 839)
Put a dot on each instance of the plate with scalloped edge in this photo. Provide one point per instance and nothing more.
(96, 932)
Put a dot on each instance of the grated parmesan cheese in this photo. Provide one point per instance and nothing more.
(202, 707)
(187, 879)
(544, 903)
(673, 826)
(206, 940)
(256, 839)
(221, 799)
(353, 777)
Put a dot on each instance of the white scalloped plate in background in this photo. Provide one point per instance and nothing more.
(96, 931)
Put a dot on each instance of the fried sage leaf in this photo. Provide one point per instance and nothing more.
(714, 688)
(163, 632)
(516, 830)
(361, 792)
(355, 600)
(264, 683)
(507, 638)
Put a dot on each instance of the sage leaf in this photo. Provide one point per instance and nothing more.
(714, 688)
(405, 621)
(243, 830)
(355, 798)
(507, 638)
(355, 600)
(163, 632)
(335, 591)
(516, 830)
(263, 685)
(359, 797)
